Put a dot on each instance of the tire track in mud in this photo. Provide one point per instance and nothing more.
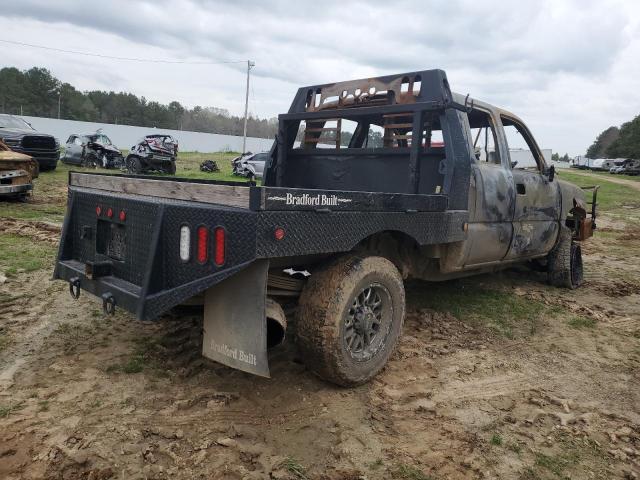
(35, 314)
(36, 230)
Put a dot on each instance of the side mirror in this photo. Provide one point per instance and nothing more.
(551, 173)
(513, 164)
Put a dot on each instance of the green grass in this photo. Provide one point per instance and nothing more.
(504, 313)
(409, 472)
(143, 356)
(607, 175)
(49, 199)
(496, 439)
(582, 322)
(21, 254)
(6, 410)
(295, 468)
(611, 196)
(557, 464)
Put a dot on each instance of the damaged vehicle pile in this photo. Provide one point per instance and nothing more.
(92, 150)
(153, 153)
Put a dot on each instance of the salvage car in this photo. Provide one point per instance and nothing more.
(17, 172)
(437, 198)
(21, 137)
(92, 150)
(153, 153)
(249, 164)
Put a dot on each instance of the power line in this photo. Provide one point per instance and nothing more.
(111, 57)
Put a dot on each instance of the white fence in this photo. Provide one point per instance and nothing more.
(124, 136)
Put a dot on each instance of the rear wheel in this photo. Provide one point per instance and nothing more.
(564, 262)
(350, 318)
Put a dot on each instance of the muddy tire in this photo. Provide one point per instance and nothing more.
(350, 317)
(564, 262)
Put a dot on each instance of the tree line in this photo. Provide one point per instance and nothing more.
(614, 142)
(36, 92)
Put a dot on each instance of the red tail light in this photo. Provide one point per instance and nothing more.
(203, 244)
(220, 246)
(110, 212)
(98, 210)
(123, 215)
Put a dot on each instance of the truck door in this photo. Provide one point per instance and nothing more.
(490, 227)
(537, 207)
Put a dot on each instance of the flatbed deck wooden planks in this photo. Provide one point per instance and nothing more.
(235, 196)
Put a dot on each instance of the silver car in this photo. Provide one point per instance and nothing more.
(250, 164)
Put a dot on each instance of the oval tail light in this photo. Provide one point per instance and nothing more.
(203, 244)
(185, 243)
(220, 237)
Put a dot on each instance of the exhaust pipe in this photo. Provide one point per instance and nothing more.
(276, 323)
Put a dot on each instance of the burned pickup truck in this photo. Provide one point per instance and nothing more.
(17, 172)
(369, 182)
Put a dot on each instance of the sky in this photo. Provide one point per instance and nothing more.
(570, 69)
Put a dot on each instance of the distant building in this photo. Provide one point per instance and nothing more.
(525, 157)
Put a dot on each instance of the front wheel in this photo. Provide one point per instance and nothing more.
(564, 262)
(350, 318)
(134, 165)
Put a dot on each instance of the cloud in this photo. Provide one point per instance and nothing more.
(536, 58)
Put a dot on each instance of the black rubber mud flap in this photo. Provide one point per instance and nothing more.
(235, 324)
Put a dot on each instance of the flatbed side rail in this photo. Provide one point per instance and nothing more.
(294, 199)
(231, 195)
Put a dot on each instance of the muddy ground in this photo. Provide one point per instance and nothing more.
(496, 377)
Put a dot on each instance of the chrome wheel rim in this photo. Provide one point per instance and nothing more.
(367, 323)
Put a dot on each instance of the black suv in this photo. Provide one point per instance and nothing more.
(22, 137)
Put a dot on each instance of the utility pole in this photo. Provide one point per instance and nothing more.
(59, 95)
(250, 64)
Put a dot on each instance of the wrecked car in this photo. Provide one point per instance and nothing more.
(21, 137)
(249, 164)
(17, 172)
(412, 181)
(92, 150)
(153, 153)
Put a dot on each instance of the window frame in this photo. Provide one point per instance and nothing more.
(529, 139)
(496, 144)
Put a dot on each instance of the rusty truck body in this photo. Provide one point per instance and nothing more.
(17, 172)
(369, 182)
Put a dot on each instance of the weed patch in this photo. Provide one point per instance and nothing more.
(582, 322)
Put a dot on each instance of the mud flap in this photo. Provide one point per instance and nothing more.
(235, 325)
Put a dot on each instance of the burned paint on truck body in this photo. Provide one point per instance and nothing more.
(390, 166)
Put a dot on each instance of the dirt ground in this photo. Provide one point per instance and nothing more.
(84, 396)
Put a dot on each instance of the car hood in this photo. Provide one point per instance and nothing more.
(110, 148)
(18, 132)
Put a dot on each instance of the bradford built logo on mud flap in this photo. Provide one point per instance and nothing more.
(236, 354)
(305, 199)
